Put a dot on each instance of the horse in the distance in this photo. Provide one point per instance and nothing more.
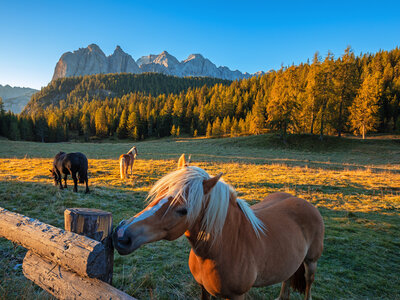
(234, 246)
(126, 161)
(70, 164)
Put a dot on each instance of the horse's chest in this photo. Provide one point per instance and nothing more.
(219, 279)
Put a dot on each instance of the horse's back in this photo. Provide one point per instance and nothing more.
(128, 158)
(75, 162)
(285, 213)
(287, 204)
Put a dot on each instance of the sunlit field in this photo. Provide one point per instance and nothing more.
(354, 183)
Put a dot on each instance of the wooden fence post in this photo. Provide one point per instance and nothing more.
(72, 251)
(95, 224)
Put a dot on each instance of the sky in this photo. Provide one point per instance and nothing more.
(246, 35)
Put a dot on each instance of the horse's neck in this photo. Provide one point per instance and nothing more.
(237, 233)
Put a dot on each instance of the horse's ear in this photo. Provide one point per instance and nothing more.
(181, 161)
(208, 184)
(188, 161)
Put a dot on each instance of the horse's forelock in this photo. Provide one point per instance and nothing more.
(186, 185)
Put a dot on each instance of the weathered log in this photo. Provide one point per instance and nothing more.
(95, 224)
(75, 252)
(65, 284)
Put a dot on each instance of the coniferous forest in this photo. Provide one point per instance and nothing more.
(327, 96)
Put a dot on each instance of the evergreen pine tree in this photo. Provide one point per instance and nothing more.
(173, 130)
(216, 127)
(209, 130)
(364, 111)
(122, 132)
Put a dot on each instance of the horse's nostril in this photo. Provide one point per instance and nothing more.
(124, 240)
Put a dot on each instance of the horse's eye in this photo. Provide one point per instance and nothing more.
(182, 211)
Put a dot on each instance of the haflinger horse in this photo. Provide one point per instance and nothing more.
(234, 246)
(71, 163)
(127, 160)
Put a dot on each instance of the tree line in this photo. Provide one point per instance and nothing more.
(327, 96)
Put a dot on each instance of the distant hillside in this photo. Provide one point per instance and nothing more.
(80, 89)
(92, 60)
(15, 98)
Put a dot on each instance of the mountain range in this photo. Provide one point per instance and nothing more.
(15, 98)
(92, 60)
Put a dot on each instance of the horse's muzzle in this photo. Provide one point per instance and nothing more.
(121, 242)
(125, 242)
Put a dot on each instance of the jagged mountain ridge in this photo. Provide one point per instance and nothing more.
(15, 98)
(92, 60)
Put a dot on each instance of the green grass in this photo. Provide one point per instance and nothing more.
(354, 183)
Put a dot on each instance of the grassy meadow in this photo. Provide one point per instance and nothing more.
(354, 183)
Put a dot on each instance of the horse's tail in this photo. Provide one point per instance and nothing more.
(122, 163)
(82, 176)
(298, 279)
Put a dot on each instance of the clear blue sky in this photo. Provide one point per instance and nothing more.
(244, 35)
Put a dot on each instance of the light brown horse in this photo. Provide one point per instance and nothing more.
(126, 161)
(234, 247)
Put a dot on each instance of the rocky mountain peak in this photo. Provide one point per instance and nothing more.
(92, 60)
(194, 56)
(15, 98)
(166, 60)
(94, 48)
(118, 49)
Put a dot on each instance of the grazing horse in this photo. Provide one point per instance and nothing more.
(127, 160)
(234, 246)
(71, 163)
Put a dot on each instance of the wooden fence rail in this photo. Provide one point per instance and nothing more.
(66, 264)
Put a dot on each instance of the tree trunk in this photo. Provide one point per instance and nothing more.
(284, 129)
(340, 118)
(321, 133)
(363, 131)
(312, 122)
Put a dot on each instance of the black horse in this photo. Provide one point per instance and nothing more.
(70, 163)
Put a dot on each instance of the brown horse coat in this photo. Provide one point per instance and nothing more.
(126, 161)
(239, 260)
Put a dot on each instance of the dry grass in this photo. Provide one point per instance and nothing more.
(357, 189)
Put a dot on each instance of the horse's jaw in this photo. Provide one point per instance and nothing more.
(125, 250)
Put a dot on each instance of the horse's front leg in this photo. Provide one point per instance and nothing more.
(65, 180)
(75, 182)
(87, 185)
(60, 183)
(310, 268)
(204, 294)
(285, 291)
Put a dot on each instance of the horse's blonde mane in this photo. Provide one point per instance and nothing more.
(133, 148)
(176, 185)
